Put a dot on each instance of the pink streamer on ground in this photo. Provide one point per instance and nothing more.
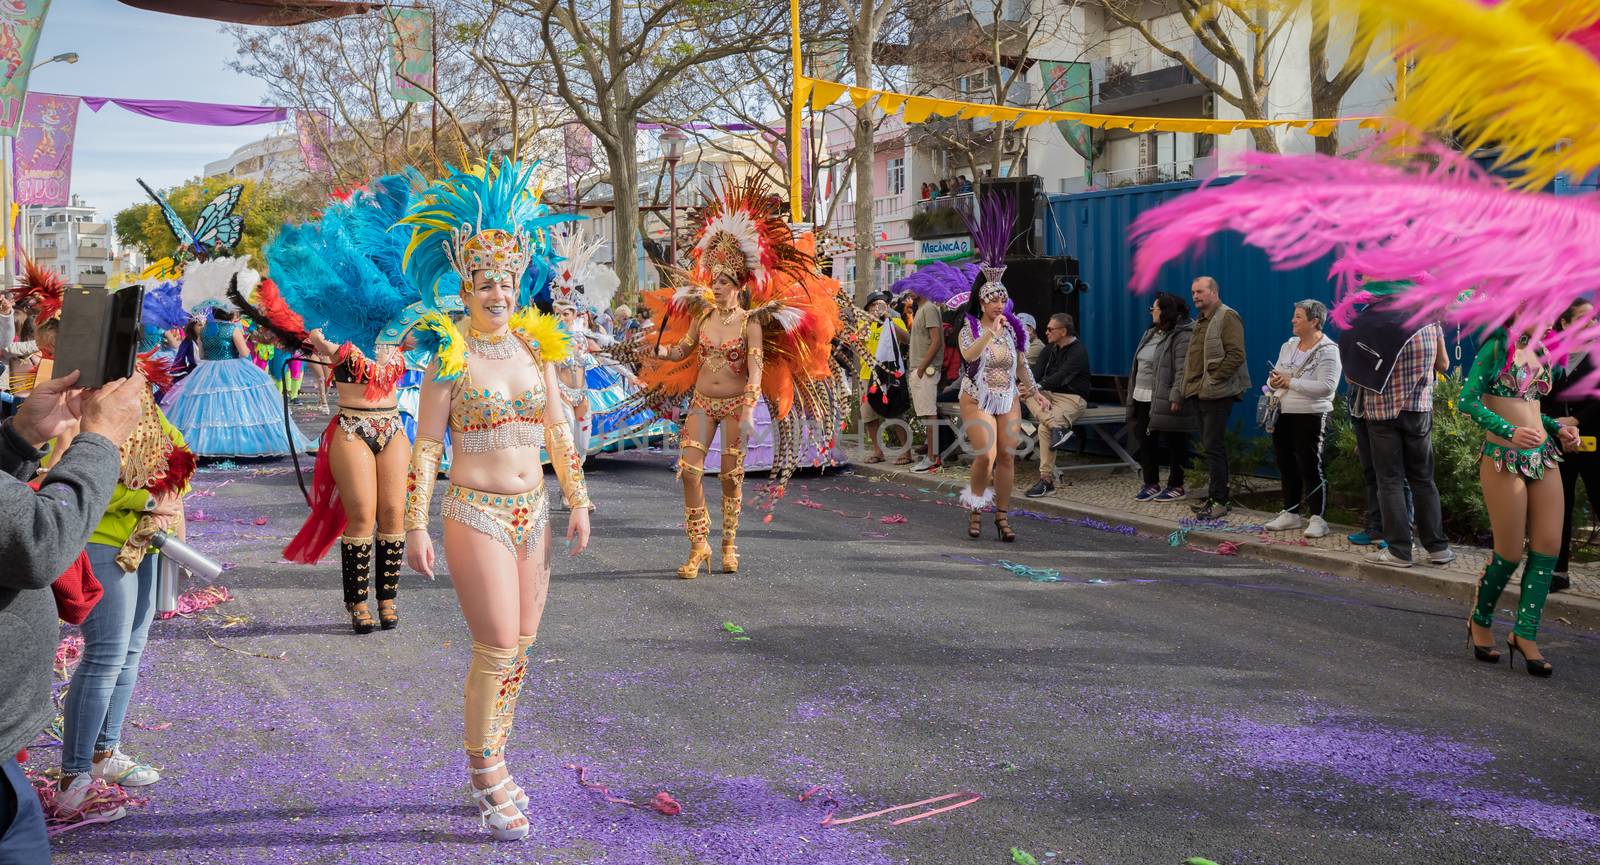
(197, 601)
(662, 802)
(832, 804)
(68, 653)
(104, 797)
(1449, 228)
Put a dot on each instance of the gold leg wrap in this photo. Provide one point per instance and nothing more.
(732, 502)
(697, 524)
(493, 681)
(730, 532)
(519, 677)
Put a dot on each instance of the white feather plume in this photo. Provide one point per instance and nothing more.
(209, 280)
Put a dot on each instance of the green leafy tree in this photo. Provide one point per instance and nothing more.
(263, 206)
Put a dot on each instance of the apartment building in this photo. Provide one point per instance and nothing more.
(275, 158)
(71, 242)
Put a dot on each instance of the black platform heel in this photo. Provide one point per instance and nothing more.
(1487, 654)
(1002, 527)
(1536, 666)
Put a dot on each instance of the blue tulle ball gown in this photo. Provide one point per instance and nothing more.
(229, 407)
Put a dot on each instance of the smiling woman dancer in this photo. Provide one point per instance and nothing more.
(495, 389)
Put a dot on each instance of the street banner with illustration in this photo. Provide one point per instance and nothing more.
(20, 23)
(1068, 89)
(411, 54)
(43, 165)
(314, 129)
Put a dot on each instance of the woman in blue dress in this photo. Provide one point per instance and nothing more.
(229, 407)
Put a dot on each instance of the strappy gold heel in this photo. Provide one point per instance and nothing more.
(697, 524)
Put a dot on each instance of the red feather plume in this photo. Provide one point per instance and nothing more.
(42, 285)
(156, 370)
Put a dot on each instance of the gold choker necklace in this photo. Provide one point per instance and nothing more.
(729, 313)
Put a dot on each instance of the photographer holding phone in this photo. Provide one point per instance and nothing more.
(40, 535)
(1569, 405)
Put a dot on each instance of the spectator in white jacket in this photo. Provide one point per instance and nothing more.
(1304, 379)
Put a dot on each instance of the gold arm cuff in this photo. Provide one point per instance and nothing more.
(426, 455)
(568, 463)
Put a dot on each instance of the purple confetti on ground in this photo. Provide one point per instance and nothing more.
(1450, 774)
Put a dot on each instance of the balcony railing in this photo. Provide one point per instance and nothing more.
(1144, 175)
(1141, 75)
(884, 208)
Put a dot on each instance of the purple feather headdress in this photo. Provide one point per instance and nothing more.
(1477, 253)
(163, 307)
(938, 282)
(991, 225)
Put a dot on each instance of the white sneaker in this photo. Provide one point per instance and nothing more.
(1384, 557)
(1318, 528)
(1283, 522)
(1443, 557)
(84, 802)
(121, 769)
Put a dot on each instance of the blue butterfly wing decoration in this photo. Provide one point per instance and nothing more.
(218, 226)
(174, 222)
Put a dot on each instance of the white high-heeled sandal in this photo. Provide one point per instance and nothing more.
(519, 796)
(492, 816)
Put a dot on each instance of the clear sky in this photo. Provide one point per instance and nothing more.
(126, 52)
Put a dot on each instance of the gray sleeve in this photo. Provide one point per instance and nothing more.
(18, 458)
(7, 329)
(42, 532)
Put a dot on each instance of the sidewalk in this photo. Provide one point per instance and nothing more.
(1107, 495)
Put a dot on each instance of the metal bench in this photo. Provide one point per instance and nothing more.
(1106, 422)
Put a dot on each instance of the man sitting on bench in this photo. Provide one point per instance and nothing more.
(1062, 372)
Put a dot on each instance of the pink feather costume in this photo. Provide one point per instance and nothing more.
(1478, 253)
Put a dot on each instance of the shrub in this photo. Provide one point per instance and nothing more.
(1457, 444)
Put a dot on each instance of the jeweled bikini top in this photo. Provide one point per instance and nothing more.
(1520, 380)
(482, 419)
(730, 354)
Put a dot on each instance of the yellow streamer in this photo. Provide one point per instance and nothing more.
(917, 109)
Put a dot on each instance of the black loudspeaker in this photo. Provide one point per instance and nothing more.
(1043, 287)
(1026, 190)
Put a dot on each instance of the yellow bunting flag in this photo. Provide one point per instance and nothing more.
(918, 109)
(825, 93)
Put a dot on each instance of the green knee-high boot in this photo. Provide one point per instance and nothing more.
(1535, 587)
(1490, 585)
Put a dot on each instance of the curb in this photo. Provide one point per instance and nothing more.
(1577, 610)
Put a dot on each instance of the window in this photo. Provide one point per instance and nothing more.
(897, 175)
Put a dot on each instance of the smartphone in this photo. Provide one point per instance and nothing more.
(1586, 444)
(100, 333)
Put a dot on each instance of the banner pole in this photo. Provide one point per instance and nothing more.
(795, 185)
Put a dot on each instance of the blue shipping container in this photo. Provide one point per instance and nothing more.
(1093, 227)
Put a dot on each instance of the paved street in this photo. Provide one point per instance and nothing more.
(1152, 705)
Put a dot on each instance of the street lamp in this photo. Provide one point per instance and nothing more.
(671, 141)
(67, 57)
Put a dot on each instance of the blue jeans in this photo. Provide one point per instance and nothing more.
(113, 641)
(23, 840)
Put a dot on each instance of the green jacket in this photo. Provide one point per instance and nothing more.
(1215, 366)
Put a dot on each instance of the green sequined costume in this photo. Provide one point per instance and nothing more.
(1494, 374)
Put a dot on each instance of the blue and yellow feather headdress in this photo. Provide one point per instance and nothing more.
(488, 217)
